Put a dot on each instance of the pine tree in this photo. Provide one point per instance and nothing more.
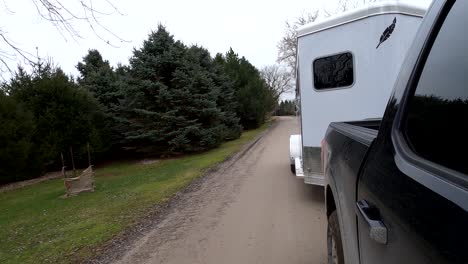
(204, 128)
(106, 85)
(171, 103)
(98, 77)
(286, 107)
(148, 109)
(226, 102)
(64, 115)
(15, 139)
(253, 97)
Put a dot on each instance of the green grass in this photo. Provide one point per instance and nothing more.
(37, 226)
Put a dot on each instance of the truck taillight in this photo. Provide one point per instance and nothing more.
(324, 150)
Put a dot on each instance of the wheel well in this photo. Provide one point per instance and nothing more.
(331, 206)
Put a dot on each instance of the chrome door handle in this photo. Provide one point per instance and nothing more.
(377, 229)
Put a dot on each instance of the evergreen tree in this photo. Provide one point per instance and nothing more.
(64, 115)
(286, 108)
(15, 139)
(171, 104)
(148, 110)
(170, 99)
(98, 77)
(195, 100)
(253, 97)
(227, 100)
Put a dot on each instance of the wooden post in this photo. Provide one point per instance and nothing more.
(63, 165)
(73, 161)
(89, 155)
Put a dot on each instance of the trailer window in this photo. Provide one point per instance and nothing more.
(334, 71)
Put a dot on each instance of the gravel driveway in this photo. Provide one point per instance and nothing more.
(250, 210)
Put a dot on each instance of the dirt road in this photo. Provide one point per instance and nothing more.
(252, 210)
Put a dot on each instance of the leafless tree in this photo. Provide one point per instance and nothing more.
(63, 15)
(287, 47)
(278, 79)
(345, 5)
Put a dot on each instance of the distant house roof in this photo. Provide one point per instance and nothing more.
(373, 9)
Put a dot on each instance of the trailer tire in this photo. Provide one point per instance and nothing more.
(334, 243)
(293, 169)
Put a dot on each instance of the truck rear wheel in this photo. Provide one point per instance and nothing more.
(293, 169)
(334, 243)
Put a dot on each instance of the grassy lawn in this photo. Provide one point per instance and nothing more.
(37, 226)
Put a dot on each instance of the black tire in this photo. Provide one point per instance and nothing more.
(335, 256)
(293, 169)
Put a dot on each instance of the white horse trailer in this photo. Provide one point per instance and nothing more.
(347, 65)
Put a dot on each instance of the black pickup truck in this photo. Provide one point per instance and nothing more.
(397, 188)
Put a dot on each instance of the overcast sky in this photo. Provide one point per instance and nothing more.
(252, 28)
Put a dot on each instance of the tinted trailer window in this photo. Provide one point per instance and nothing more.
(334, 71)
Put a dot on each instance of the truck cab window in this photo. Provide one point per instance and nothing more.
(333, 71)
(437, 120)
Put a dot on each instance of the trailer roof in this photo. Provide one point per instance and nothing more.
(373, 9)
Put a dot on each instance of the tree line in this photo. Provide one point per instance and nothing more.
(286, 108)
(170, 99)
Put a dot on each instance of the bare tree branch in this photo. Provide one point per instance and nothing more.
(62, 14)
(345, 5)
(7, 8)
(287, 47)
(278, 79)
(13, 54)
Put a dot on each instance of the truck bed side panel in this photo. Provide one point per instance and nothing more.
(347, 146)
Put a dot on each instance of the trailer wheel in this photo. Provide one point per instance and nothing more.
(334, 243)
(293, 169)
